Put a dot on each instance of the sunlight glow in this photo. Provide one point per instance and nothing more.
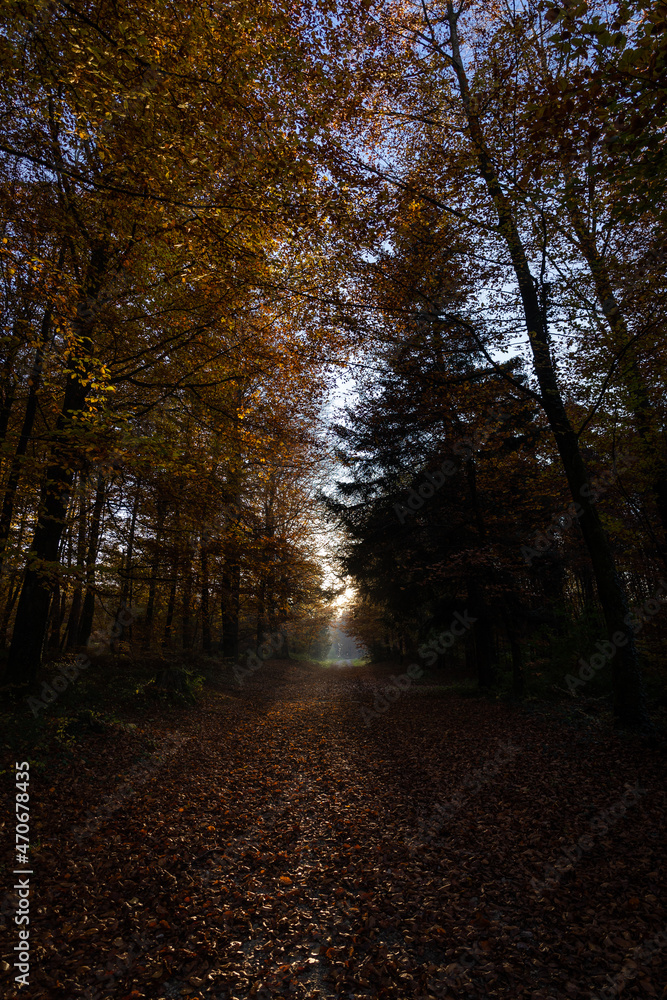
(344, 600)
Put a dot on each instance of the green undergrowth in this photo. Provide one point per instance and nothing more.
(114, 693)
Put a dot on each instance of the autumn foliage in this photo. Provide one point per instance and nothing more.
(206, 218)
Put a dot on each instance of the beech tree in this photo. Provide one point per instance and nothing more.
(154, 155)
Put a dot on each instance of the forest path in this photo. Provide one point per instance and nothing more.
(276, 845)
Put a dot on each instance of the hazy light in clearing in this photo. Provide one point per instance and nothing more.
(345, 599)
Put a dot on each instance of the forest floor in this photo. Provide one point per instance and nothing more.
(277, 841)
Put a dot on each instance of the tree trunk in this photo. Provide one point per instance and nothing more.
(186, 612)
(34, 381)
(231, 583)
(57, 617)
(6, 406)
(485, 653)
(8, 382)
(13, 589)
(646, 420)
(88, 610)
(75, 606)
(126, 579)
(629, 697)
(152, 587)
(587, 588)
(53, 630)
(166, 638)
(267, 560)
(261, 609)
(29, 415)
(518, 680)
(282, 652)
(205, 611)
(25, 652)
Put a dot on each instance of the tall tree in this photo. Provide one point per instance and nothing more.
(454, 147)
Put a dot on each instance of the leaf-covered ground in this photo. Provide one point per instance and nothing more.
(271, 844)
